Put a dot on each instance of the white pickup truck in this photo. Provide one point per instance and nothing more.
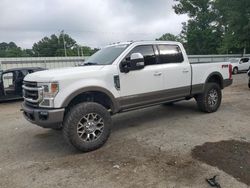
(240, 64)
(118, 78)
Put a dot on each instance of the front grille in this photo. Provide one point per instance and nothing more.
(30, 84)
(31, 93)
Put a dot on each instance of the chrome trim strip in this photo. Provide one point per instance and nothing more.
(32, 88)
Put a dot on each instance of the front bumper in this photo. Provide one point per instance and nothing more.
(46, 118)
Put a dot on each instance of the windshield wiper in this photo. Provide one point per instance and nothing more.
(90, 63)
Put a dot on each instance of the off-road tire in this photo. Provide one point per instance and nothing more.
(71, 125)
(203, 99)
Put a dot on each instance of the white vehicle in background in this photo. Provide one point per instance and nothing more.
(119, 78)
(240, 64)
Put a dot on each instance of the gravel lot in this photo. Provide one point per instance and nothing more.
(147, 148)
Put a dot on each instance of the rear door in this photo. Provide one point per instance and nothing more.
(176, 69)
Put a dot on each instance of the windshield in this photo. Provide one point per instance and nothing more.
(105, 56)
(234, 60)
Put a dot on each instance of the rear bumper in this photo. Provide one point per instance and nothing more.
(227, 82)
(46, 118)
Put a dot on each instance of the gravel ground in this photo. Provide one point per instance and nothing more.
(147, 148)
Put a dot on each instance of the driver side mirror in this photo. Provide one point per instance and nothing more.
(136, 62)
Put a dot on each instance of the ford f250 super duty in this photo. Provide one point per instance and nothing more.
(118, 78)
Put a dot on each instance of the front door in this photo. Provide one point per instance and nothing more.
(244, 64)
(140, 87)
(10, 86)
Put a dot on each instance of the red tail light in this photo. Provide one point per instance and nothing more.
(230, 71)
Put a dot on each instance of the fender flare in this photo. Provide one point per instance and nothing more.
(215, 74)
(114, 105)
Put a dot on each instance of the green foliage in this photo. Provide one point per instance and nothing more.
(11, 50)
(84, 50)
(54, 46)
(47, 47)
(200, 33)
(215, 26)
(234, 18)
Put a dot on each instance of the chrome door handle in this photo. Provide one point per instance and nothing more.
(157, 74)
(185, 71)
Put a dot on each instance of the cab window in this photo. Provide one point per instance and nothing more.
(170, 54)
(8, 80)
(244, 60)
(148, 53)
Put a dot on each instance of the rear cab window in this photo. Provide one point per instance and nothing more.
(170, 54)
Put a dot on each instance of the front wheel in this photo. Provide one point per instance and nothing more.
(87, 126)
(210, 100)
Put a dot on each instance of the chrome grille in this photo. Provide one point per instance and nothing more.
(32, 93)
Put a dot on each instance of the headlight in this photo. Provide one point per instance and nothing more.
(50, 90)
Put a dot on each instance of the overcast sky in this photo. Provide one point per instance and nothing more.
(90, 22)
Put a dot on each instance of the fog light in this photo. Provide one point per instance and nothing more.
(45, 102)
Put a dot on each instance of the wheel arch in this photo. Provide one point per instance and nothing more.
(215, 77)
(95, 94)
(236, 67)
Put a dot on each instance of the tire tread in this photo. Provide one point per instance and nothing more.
(201, 99)
(72, 118)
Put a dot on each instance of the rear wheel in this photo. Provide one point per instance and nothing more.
(210, 100)
(87, 126)
(235, 70)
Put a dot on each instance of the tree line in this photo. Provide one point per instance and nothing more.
(214, 27)
(61, 45)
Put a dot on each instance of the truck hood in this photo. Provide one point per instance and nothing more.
(61, 74)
